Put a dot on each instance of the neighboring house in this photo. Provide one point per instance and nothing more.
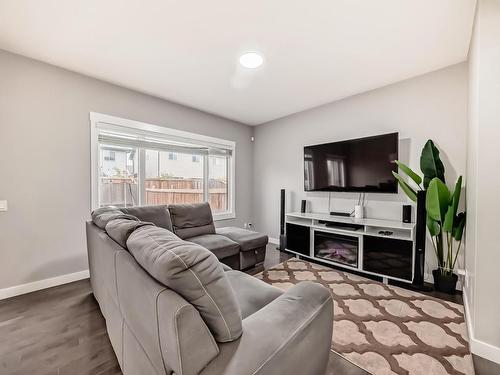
(120, 162)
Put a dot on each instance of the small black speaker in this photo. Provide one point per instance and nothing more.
(406, 213)
(303, 206)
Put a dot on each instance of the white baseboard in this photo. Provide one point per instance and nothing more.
(274, 240)
(478, 347)
(42, 284)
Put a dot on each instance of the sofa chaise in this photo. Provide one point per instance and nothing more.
(172, 308)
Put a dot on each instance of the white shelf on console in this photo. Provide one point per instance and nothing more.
(393, 224)
(299, 220)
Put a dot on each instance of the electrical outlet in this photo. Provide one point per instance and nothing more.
(3, 205)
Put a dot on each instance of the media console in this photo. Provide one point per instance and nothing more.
(377, 247)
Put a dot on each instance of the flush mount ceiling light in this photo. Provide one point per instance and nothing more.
(251, 60)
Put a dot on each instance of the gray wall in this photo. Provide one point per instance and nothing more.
(483, 183)
(45, 161)
(430, 106)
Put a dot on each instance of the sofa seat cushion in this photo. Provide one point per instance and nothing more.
(158, 215)
(252, 294)
(247, 239)
(193, 272)
(190, 220)
(221, 246)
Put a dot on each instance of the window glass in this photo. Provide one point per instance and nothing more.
(170, 181)
(118, 169)
(217, 183)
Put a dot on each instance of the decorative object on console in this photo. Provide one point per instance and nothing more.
(359, 211)
(441, 215)
(406, 213)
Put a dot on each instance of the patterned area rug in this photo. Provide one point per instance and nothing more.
(385, 329)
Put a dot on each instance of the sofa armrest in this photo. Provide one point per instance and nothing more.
(290, 335)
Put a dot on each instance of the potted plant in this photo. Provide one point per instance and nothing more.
(444, 223)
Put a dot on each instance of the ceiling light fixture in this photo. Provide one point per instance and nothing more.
(251, 60)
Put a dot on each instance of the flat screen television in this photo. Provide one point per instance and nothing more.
(356, 165)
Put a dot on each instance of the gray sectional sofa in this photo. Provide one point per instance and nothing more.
(236, 247)
(172, 308)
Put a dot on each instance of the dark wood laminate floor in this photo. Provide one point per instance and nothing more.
(55, 331)
(60, 331)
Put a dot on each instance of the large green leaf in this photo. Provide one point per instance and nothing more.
(456, 195)
(458, 228)
(448, 219)
(415, 177)
(437, 199)
(452, 209)
(430, 163)
(433, 226)
(406, 188)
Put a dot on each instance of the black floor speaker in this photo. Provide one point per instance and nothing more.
(282, 244)
(420, 238)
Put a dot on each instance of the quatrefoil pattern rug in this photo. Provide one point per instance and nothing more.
(385, 329)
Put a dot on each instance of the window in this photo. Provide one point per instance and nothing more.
(134, 163)
(109, 155)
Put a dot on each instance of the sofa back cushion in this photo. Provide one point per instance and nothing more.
(158, 215)
(121, 229)
(191, 220)
(193, 272)
(101, 216)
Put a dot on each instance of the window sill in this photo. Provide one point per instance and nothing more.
(224, 216)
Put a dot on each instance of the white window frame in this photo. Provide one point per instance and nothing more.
(98, 120)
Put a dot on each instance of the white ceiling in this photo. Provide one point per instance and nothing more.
(187, 51)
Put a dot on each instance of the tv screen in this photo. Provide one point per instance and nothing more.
(357, 165)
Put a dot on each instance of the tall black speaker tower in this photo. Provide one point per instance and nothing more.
(282, 244)
(420, 238)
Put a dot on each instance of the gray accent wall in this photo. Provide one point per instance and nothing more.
(45, 161)
(430, 106)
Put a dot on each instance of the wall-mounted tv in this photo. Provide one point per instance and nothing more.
(356, 165)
